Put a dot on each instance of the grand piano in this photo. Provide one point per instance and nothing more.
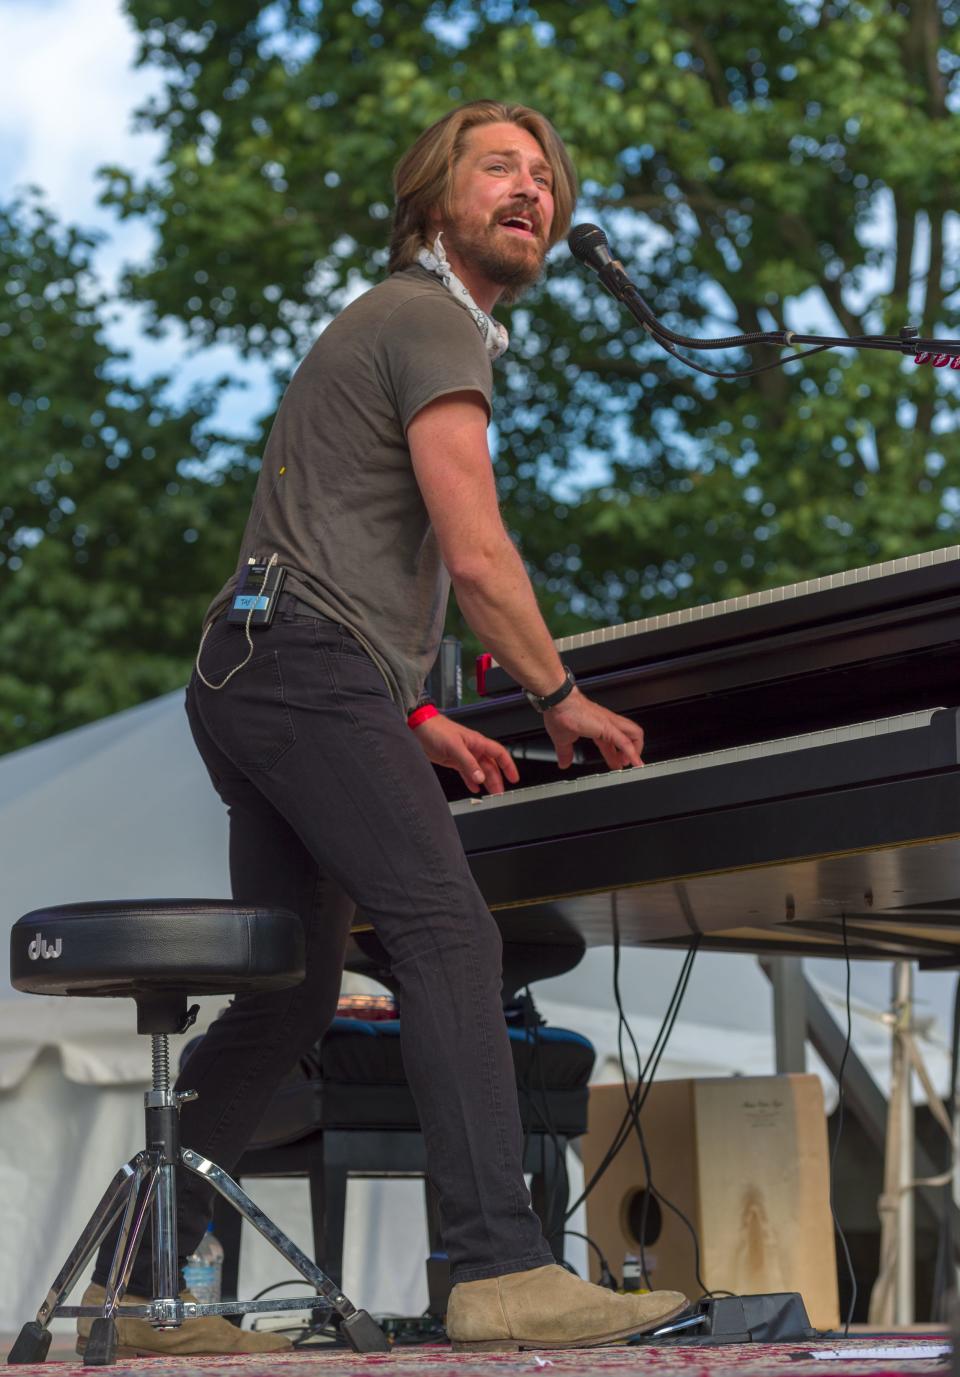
(802, 773)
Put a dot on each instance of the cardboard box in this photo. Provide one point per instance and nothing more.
(746, 1160)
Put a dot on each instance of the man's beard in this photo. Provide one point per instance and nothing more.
(512, 266)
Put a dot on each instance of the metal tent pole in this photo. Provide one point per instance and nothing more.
(903, 1310)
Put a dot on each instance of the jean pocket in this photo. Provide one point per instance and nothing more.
(249, 718)
(349, 646)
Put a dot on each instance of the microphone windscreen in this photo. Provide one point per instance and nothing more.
(583, 239)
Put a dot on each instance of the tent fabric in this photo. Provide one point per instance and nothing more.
(96, 1046)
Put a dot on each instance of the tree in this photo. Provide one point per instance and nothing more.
(116, 506)
(756, 166)
(759, 166)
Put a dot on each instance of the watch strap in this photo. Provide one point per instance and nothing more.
(544, 702)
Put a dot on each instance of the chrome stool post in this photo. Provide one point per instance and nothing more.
(252, 949)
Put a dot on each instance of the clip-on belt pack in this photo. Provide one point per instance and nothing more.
(255, 601)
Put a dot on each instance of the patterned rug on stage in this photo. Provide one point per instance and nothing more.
(752, 1360)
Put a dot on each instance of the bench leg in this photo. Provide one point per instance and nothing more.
(549, 1190)
(330, 1181)
(438, 1267)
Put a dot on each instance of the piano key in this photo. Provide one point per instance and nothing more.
(711, 760)
(862, 820)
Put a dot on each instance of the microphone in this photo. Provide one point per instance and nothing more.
(589, 246)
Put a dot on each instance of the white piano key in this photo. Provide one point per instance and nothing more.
(611, 779)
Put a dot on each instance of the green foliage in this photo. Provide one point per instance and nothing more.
(757, 165)
(111, 541)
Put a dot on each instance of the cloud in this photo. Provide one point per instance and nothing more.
(68, 88)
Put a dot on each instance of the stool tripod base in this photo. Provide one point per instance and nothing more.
(146, 1186)
(101, 1348)
(159, 952)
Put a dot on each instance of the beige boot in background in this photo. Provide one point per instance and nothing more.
(207, 1336)
(548, 1307)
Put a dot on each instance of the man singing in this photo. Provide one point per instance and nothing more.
(376, 492)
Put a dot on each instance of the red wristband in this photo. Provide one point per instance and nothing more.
(420, 715)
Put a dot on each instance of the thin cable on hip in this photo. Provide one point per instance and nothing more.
(246, 629)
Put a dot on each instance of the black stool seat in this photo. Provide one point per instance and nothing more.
(140, 948)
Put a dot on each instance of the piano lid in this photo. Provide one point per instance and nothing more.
(914, 580)
(871, 643)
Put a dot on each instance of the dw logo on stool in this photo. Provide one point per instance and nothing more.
(40, 947)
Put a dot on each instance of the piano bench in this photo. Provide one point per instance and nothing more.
(347, 1109)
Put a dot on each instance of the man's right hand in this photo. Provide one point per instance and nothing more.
(619, 740)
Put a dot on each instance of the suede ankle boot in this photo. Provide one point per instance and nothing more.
(206, 1336)
(548, 1307)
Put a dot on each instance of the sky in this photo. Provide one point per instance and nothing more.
(68, 90)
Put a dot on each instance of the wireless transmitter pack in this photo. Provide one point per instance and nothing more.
(255, 600)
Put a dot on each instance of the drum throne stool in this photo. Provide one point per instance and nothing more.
(158, 953)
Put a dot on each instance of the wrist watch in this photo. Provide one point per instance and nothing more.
(550, 700)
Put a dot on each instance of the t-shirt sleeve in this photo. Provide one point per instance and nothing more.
(428, 348)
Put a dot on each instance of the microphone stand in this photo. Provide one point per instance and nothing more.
(936, 351)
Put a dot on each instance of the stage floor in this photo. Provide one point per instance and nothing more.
(751, 1360)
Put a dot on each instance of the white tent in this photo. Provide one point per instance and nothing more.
(123, 809)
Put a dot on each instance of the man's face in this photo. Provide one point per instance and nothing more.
(501, 208)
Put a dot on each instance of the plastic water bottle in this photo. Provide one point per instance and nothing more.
(203, 1270)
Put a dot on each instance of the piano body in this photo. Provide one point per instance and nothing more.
(803, 770)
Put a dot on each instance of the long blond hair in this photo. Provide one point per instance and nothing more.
(422, 177)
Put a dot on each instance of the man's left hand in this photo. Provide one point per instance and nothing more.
(480, 762)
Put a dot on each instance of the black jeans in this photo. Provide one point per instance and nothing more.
(333, 806)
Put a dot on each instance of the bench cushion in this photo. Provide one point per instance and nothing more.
(355, 1051)
(354, 1079)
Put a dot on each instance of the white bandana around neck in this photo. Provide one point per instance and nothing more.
(494, 334)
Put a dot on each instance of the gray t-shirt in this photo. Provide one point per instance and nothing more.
(346, 517)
